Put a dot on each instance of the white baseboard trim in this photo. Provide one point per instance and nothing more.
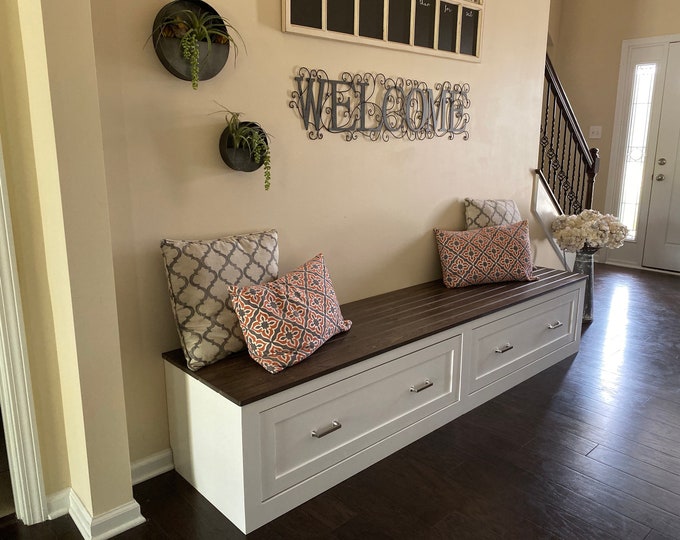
(66, 502)
(106, 525)
(151, 466)
(58, 503)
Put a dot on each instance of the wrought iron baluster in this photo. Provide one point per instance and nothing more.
(544, 125)
(551, 153)
(569, 167)
(569, 172)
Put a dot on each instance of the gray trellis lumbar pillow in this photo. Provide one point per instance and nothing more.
(199, 275)
(490, 213)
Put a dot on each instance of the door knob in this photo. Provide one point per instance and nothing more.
(662, 161)
(660, 177)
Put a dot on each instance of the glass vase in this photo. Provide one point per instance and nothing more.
(584, 265)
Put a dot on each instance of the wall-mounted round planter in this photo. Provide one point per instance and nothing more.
(239, 159)
(169, 51)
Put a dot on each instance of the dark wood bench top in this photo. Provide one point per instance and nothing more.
(379, 324)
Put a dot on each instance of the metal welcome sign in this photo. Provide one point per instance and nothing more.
(379, 107)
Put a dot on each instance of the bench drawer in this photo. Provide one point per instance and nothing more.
(518, 339)
(307, 435)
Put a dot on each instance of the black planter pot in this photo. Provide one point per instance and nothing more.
(239, 158)
(169, 51)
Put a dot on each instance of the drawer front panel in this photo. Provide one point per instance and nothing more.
(307, 435)
(518, 339)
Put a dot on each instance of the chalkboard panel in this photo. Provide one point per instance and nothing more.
(448, 26)
(435, 27)
(425, 23)
(340, 16)
(468, 31)
(399, 21)
(371, 15)
(306, 13)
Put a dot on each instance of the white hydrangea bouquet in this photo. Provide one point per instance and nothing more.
(589, 230)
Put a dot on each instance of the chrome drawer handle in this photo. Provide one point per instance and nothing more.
(318, 433)
(421, 386)
(503, 349)
(556, 324)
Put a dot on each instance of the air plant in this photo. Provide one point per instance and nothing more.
(192, 27)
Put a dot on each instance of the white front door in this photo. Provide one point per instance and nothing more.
(644, 174)
(662, 240)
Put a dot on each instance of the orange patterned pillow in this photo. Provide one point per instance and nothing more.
(486, 255)
(286, 320)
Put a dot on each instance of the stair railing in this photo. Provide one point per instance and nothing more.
(566, 165)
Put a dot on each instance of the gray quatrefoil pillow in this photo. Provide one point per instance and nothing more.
(490, 213)
(199, 275)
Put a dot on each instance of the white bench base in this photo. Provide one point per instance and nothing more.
(258, 461)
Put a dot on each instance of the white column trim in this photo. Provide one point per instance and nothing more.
(106, 525)
(151, 466)
(64, 502)
(57, 503)
(16, 394)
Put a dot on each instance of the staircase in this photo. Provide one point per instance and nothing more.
(567, 167)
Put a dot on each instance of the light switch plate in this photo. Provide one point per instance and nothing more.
(595, 132)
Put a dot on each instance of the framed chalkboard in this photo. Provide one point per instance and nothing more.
(371, 18)
(399, 21)
(449, 28)
(424, 30)
(341, 16)
(306, 13)
(468, 31)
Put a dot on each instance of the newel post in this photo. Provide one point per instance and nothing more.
(592, 173)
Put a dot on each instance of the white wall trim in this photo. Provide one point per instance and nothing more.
(151, 466)
(16, 394)
(58, 503)
(106, 525)
(544, 210)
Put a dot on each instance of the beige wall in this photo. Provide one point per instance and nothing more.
(99, 383)
(368, 206)
(148, 144)
(555, 18)
(30, 163)
(60, 218)
(588, 54)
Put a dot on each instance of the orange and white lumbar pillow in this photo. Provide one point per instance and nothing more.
(286, 320)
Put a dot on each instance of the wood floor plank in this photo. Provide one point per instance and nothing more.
(555, 470)
(526, 493)
(642, 502)
(614, 432)
(623, 445)
(586, 394)
(644, 471)
(518, 469)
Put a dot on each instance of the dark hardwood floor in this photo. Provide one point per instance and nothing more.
(587, 449)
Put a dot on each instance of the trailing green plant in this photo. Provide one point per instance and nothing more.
(260, 154)
(191, 28)
(252, 138)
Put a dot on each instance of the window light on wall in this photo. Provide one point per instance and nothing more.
(436, 27)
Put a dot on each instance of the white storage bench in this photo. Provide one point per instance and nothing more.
(256, 445)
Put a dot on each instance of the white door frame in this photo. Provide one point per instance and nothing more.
(631, 253)
(16, 395)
